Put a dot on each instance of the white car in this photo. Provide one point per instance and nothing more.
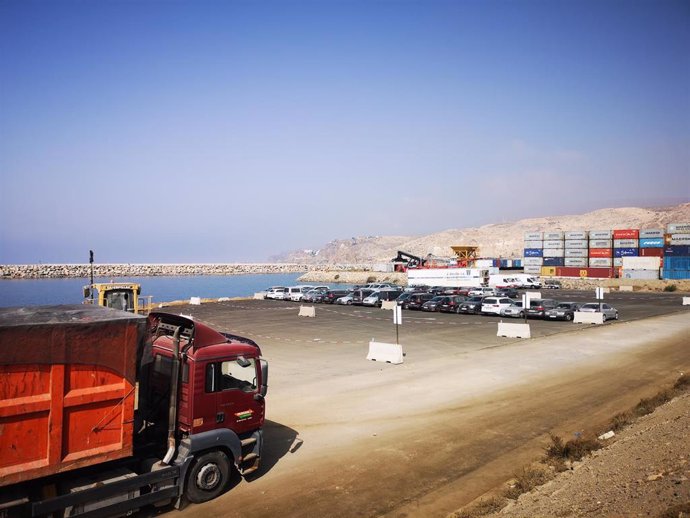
(494, 305)
(481, 292)
(275, 293)
(295, 293)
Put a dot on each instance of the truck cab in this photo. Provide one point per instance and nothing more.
(117, 295)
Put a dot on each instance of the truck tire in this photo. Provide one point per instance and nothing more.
(207, 477)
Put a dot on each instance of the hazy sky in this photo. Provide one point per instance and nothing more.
(216, 131)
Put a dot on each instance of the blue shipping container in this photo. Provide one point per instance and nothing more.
(533, 252)
(554, 261)
(517, 263)
(652, 242)
(675, 274)
(677, 250)
(625, 252)
(676, 262)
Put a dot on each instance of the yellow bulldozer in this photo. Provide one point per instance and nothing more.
(125, 296)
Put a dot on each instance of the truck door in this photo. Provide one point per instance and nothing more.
(235, 383)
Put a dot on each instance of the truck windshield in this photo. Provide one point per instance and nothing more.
(119, 299)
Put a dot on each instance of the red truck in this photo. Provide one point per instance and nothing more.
(103, 412)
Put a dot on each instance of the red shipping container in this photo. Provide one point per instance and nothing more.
(651, 252)
(600, 252)
(632, 233)
(597, 273)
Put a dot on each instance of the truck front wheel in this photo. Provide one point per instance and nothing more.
(208, 477)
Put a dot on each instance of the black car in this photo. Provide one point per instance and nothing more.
(416, 300)
(452, 304)
(473, 305)
(511, 293)
(402, 298)
(538, 307)
(332, 295)
(435, 303)
(563, 311)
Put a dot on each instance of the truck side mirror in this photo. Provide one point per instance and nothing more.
(263, 390)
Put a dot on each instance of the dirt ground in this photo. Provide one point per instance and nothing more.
(347, 437)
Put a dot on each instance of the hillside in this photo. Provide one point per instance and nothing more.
(494, 240)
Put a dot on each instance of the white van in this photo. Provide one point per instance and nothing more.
(504, 281)
(527, 281)
(295, 293)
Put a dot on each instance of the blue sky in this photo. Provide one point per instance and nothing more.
(220, 131)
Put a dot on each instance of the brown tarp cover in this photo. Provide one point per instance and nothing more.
(72, 334)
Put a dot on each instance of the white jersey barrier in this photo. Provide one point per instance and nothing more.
(585, 317)
(307, 311)
(686, 301)
(382, 352)
(195, 301)
(625, 288)
(513, 330)
(259, 296)
(388, 304)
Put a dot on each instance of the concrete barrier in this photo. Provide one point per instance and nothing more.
(307, 311)
(388, 304)
(382, 352)
(195, 301)
(585, 317)
(514, 330)
(259, 296)
(625, 288)
(686, 301)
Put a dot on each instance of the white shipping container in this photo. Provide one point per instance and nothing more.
(554, 252)
(626, 243)
(600, 234)
(483, 263)
(678, 228)
(557, 235)
(579, 262)
(576, 234)
(576, 243)
(617, 261)
(533, 261)
(554, 243)
(680, 239)
(534, 243)
(576, 252)
(534, 236)
(600, 243)
(600, 262)
(651, 232)
(535, 270)
(641, 263)
(641, 274)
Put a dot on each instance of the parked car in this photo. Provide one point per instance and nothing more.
(511, 293)
(346, 299)
(538, 307)
(452, 303)
(435, 303)
(563, 311)
(295, 293)
(493, 305)
(482, 291)
(387, 295)
(402, 298)
(416, 300)
(358, 296)
(275, 293)
(332, 295)
(473, 305)
(551, 284)
(515, 310)
(315, 295)
(593, 307)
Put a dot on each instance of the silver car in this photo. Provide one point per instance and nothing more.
(514, 310)
(594, 307)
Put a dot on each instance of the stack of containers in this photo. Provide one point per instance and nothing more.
(554, 252)
(651, 242)
(625, 244)
(533, 253)
(677, 254)
(646, 268)
(576, 246)
(600, 249)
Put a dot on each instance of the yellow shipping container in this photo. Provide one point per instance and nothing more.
(548, 271)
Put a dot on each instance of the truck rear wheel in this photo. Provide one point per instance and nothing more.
(208, 477)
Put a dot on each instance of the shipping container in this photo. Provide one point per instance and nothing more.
(532, 270)
(600, 252)
(517, 263)
(553, 261)
(649, 233)
(576, 243)
(533, 261)
(547, 271)
(576, 234)
(600, 234)
(618, 262)
(678, 228)
(554, 243)
(600, 243)
(677, 262)
(554, 252)
(651, 242)
(677, 250)
(680, 239)
(533, 243)
(533, 252)
(595, 273)
(575, 252)
(626, 243)
(554, 235)
(575, 261)
(625, 252)
(651, 252)
(600, 262)
(631, 233)
(534, 236)
(640, 274)
(675, 274)
(641, 263)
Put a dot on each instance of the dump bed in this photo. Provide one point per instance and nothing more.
(67, 383)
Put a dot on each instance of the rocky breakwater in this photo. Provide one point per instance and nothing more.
(48, 271)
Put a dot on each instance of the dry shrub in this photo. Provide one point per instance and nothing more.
(527, 479)
(621, 420)
(677, 511)
(481, 508)
(682, 384)
(574, 449)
